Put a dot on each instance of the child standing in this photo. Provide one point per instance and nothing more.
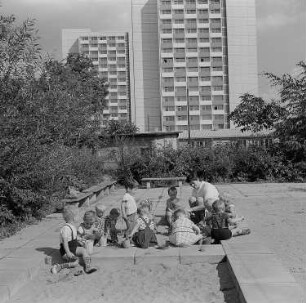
(70, 249)
(87, 232)
(129, 206)
(110, 225)
(143, 233)
(184, 231)
(173, 203)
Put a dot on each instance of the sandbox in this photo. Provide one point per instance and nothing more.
(199, 282)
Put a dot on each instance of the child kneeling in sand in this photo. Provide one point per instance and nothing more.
(184, 231)
(143, 234)
(70, 249)
(220, 223)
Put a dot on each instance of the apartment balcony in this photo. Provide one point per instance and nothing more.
(190, 6)
(214, 6)
(166, 64)
(165, 26)
(164, 6)
(192, 64)
(169, 113)
(166, 45)
(178, 25)
(165, 16)
(179, 54)
(179, 45)
(194, 93)
(177, 16)
(180, 73)
(178, 35)
(181, 94)
(191, 44)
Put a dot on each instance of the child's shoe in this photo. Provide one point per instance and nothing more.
(88, 269)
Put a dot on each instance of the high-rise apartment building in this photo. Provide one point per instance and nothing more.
(110, 55)
(192, 59)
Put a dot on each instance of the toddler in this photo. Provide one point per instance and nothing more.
(220, 221)
(110, 225)
(70, 249)
(87, 232)
(143, 233)
(184, 231)
(128, 206)
(173, 203)
(100, 223)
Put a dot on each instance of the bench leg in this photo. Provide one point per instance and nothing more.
(148, 185)
(180, 183)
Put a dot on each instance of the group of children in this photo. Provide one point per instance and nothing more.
(220, 223)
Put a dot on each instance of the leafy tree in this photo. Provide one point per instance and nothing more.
(287, 116)
(255, 114)
(115, 127)
(43, 106)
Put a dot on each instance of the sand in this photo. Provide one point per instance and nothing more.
(132, 284)
(276, 217)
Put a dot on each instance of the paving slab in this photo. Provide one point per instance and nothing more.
(13, 279)
(113, 255)
(212, 254)
(259, 268)
(4, 294)
(272, 293)
(151, 255)
(238, 248)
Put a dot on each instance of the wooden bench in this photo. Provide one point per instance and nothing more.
(149, 180)
(91, 194)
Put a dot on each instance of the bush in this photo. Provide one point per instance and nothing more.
(222, 163)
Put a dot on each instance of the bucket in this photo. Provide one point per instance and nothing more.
(126, 243)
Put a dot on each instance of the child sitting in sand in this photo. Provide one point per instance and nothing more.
(110, 225)
(184, 231)
(143, 233)
(100, 223)
(70, 249)
(129, 206)
(220, 222)
(173, 203)
(87, 232)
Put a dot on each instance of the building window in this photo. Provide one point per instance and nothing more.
(218, 107)
(203, 21)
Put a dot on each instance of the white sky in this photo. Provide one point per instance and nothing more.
(281, 27)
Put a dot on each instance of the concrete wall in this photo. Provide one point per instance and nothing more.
(146, 112)
(242, 49)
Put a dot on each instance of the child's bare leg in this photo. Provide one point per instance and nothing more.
(56, 268)
(82, 252)
(240, 231)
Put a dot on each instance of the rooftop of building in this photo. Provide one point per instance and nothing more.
(223, 133)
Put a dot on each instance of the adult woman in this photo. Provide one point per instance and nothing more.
(203, 195)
